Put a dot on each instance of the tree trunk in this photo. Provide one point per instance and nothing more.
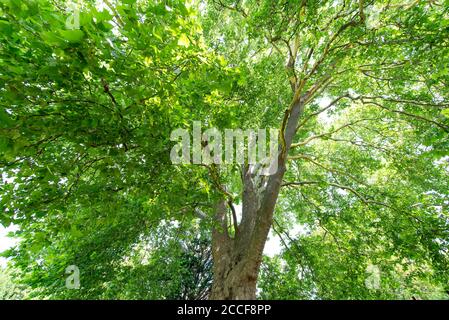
(235, 277)
(237, 258)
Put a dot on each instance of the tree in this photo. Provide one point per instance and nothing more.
(356, 89)
(177, 264)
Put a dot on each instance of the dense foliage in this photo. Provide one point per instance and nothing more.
(9, 288)
(85, 122)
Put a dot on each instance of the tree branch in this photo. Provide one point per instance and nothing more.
(309, 139)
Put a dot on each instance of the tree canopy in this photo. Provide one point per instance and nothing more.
(359, 91)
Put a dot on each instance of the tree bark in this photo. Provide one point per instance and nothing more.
(237, 258)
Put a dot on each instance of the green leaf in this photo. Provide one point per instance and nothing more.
(183, 41)
(445, 112)
(73, 36)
